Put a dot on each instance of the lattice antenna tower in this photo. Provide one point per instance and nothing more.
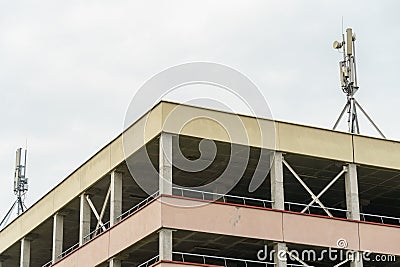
(348, 82)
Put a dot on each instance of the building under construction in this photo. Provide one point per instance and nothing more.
(326, 190)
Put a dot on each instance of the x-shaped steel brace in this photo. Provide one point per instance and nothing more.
(100, 216)
(313, 196)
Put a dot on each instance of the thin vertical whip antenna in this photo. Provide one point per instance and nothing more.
(342, 25)
(26, 154)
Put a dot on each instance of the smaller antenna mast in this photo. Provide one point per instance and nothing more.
(20, 180)
(20, 185)
(348, 82)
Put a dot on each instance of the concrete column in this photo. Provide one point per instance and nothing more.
(115, 197)
(278, 198)
(165, 164)
(25, 252)
(58, 234)
(114, 263)
(353, 204)
(352, 199)
(358, 262)
(279, 255)
(277, 190)
(165, 244)
(84, 219)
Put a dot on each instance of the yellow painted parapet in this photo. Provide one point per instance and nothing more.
(314, 142)
(376, 152)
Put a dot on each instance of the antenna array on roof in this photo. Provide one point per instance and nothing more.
(20, 185)
(348, 81)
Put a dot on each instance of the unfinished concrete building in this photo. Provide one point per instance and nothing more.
(326, 189)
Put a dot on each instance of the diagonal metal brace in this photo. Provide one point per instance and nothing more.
(326, 188)
(340, 264)
(103, 209)
(93, 208)
(369, 119)
(313, 196)
(296, 258)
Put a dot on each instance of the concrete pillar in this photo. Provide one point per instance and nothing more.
(278, 198)
(58, 234)
(280, 255)
(115, 196)
(352, 199)
(358, 260)
(353, 204)
(114, 262)
(277, 190)
(165, 164)
(84, 219)
(25, 252)
(165, 244)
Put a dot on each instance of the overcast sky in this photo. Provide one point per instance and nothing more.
(68, 69)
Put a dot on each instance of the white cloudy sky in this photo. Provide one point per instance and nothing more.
(68, 69)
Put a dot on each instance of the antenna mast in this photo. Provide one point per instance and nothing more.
(348, 81)
(20, 185)
(20, 180)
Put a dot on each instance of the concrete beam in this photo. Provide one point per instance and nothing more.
(25, 252)
(84, 219)
(277, 189)
(165, 244)
(352, 198)
(114, 262)
(58, 235)
(165, 164)
(116, 196)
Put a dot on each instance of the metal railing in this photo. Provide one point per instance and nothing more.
(68, 251)
(212, 260)
(222, 261)
(381, 218)
(215, 260)
(137, 206)
(150, 261)
(48, 264)
(210, 196)
(363, 216)
(290, 206)
(62, 255)
(96, 232)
